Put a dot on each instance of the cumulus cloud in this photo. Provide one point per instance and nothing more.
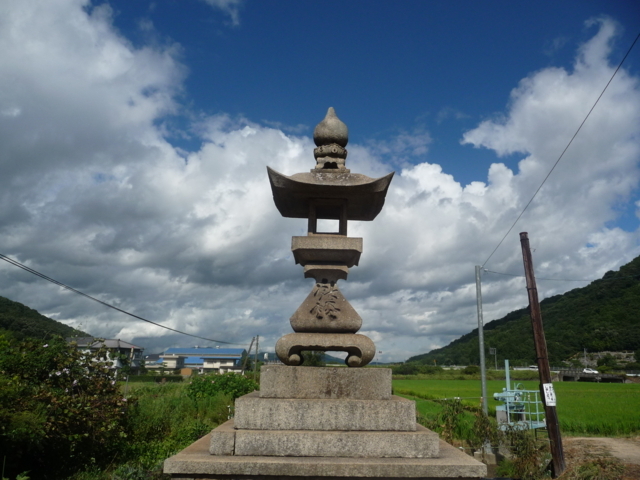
(94, 195)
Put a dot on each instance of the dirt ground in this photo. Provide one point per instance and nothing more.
(626, 450)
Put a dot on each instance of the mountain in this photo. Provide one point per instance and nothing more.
(603, 316)
(23, 321)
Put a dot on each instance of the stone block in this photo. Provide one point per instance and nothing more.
(255, 413)
(336, 249)
(223, 439)
(422, 443)
(280, 381)
(195, 462)
(325, 310)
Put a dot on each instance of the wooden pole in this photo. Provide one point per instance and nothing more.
(546, 386)
(244, 364)
(255, 361)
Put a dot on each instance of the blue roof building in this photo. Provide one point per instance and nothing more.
(206, 360)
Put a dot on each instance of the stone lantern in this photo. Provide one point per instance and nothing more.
(326, 321)
(326, 423)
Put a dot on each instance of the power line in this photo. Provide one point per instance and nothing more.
(563, 152)
(60, 284)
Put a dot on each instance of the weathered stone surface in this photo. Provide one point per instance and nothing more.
(331, 136)
(331, 130)
(337, 249)
(325, 310)
(223, 439)
(326, 273)
(255, 413)
(360, 348)
(279, 381)
(365, 196)
(196, 462)
(422, 443)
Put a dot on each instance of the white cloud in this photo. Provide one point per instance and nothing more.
(93, 195)
(230, 7)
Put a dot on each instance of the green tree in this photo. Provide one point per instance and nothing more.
(607, 361)
(60, 409)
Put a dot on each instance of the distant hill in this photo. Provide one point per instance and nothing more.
(23, 321)
(603, 316)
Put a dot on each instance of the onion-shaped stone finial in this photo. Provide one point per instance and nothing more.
(331, 136)
(331, 130)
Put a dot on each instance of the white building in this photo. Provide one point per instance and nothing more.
(205, 360)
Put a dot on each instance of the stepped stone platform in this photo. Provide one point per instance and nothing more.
(312, 423)
(195, 463)
(256, 413)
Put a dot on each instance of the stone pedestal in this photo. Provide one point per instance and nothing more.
(310, 423)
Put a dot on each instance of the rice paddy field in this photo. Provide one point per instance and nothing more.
(584, 408)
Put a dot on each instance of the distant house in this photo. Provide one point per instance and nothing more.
(116, 348)
(152, 361)
(172, 361)
(205, 360)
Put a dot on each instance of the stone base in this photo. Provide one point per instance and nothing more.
(226, 440)
(280, 381)
(195, 462)
(255, 413)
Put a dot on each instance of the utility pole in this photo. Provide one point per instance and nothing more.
(244, 364)
(255, 361)
(483, 371)
(546, 386)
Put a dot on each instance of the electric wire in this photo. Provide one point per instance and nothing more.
(563, 152)
(60, 284)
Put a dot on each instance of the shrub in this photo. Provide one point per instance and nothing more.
(155, 378)
(406, 369)
(59, 408)
(231, 384)
(416, 369)
(471, 370)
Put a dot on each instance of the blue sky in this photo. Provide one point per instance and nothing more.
(387, 67)
(135, 136)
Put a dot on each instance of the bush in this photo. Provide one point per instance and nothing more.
(416, 369)
(59, 408)
(155, 378)
(406, 369)
(231, 384)
(471, 370)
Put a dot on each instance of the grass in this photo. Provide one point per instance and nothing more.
(162, 421)
(602, 409)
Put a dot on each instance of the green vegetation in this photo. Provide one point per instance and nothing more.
(466, 373)
(59, 408)
(599, 317)
(156, 378)
(230, 384)
(63, 416)
(25, 322)
(584, 408)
